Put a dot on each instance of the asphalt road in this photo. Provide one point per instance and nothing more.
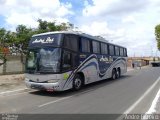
(108, 96)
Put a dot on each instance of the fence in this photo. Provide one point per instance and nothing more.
(14, 64)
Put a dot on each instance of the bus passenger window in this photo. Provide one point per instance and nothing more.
(74, 60)
(111, 49)
(121, 52)
(104, 48)
(117, 50)
(85, 44)
(66, 60)
(125, 52)
(96, 47)
(71, 42)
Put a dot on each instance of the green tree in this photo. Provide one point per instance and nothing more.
(23, 35)
(51, 26)
(157, 34)
(2, 44)
(10, 38)
(2, 36)
(20, 39)
(42, 27)
(45, 26)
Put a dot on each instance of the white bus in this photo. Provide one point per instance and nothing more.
(58, 61)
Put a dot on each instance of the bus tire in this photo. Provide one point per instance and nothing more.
(114, 74)
(77, 82)
(118, 75)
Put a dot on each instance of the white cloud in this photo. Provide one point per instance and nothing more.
(26, 19)
(129, 19)
(129, 23)
(64, 10)
(97, 28)
(27, 12)
(102, 29)
(113, 7)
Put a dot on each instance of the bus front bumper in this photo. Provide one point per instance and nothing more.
(43, 86)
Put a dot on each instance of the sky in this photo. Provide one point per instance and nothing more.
(130, 23)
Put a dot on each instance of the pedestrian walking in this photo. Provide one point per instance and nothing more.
(140, 65)
(133, 65)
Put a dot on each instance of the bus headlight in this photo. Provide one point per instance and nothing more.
(52, 81)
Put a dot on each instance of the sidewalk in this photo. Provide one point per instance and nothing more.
(11, 82)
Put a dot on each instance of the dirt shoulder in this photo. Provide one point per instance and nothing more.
(11, 82)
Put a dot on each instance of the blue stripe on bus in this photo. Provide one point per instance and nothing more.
(73, 73)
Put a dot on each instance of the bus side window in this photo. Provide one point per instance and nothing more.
(125, 52)
(104, 48)
(121, 52)
(85, 45)
(66, 60)
(117, 50)
(71, 42)
(75, 60)
(95, 47)
(111, 50)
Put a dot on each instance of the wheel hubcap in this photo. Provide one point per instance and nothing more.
(114, 76)
(117, 74)
(77, 83)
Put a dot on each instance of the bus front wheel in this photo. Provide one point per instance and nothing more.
(77, 82)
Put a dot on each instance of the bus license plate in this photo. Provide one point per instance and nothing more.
(37, 86)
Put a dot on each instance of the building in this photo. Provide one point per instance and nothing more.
(143, 61)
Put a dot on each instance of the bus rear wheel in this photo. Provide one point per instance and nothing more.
(118, 75)
(77, 82)
(114, 74)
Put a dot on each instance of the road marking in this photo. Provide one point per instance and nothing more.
(14, 94)
(139, 100)
(58, 100)
(64, 98)
(152, 109)
(6, 92)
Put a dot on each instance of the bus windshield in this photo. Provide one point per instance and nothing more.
(44, 60)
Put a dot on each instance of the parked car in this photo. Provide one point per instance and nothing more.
(155, 64)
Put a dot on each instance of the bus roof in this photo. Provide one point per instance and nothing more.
(98, 38)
